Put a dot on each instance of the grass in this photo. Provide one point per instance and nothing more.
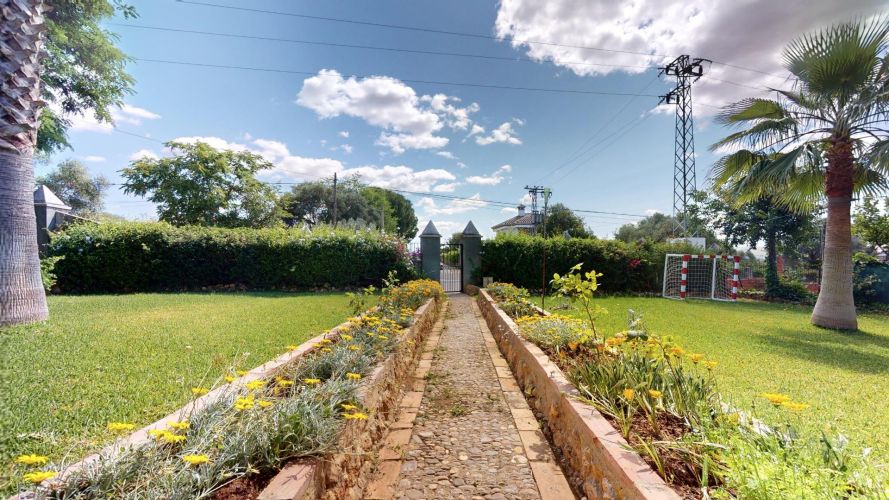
(135, 358)
(764, 347)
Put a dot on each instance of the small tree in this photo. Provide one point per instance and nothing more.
(872, 225)
(204, 186)
(580, 287)
(561, 220)
(71, 182)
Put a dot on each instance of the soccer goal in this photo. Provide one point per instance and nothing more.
(712, 277)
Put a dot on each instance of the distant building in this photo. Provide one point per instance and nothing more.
(521, 223)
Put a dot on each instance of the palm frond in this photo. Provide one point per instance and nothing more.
(762, 134)
(733, 166)
(751, 109)
(840, 60)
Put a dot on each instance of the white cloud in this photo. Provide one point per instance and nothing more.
(94, 158)
(126, 114)
(751, 34)
(347, 148)
(379, 100)
(508, 210)
(452, 207)
(456, 117)
(290, 166)
(143, 153)
(461, 164)
(446, 154)
(446, 188)
(652, 211)
(503, 133)
(344, 134)
(476, 129)
(490, 180)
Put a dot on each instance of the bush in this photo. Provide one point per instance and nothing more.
(48, 273)
(133, 257)
(870, 280)
(629, 267)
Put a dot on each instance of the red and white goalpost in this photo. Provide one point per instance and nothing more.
(714, 277)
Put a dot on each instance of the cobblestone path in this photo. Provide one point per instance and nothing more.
(465, 430)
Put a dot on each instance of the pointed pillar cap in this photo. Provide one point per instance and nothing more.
(430, 231)
(471, 231)
(46, 198)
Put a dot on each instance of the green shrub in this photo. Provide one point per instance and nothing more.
(870, 280)
(132, 257)
(48, 272)
(629, 267)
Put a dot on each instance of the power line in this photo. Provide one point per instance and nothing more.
(430, 82)
(416, 28)
(370, 47)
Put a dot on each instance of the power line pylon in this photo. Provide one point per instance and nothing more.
(533, 192)
(687, 71)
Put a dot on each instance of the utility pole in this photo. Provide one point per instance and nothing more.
(687, 71)
(547, 192)
(533, 192)
(334, 199)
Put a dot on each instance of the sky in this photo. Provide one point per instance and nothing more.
(561, 94)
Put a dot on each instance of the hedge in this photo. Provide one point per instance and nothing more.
(134, 257)
(625, 267)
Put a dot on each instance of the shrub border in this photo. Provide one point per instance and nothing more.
(594, 450)
(344, 471)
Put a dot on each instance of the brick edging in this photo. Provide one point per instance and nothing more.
(593, 448)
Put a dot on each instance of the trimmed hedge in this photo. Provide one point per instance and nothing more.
(135, 257)
(627, 267)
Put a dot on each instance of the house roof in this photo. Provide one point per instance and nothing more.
(44, 197)
(518, 220)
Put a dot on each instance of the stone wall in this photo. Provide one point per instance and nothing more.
(594, 450)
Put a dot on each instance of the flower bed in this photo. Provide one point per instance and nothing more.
(325, 399)
(662, 403)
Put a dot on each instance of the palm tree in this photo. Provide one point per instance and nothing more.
(22, 298)
(825, 137)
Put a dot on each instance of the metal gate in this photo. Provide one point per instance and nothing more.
(452, 267)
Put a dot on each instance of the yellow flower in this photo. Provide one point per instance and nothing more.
(157, 433)
(264, 404)
(255, 384)
(325, 341)
(285, 383)
(655, 393)
(346, 337)
(676, 351)
(246, 403)
(32, 459)
(353, 347)
(196, 459)
(292, 347)
(695, 358)
(349, 407)
(790, 405)
(629, 393)
(240, 373)
(179, 426)
(199, 391)
(229, 378)
(615, 341)
(382, 337)
(39, 476)
(353, 376)
(120, 426)
(775, 398)
(710, 364)
(355, 416)
(169, 437)
(312, 381)
(326, 349)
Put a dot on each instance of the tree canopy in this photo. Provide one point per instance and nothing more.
(204, 186)
(83, 71)
(872, 225)
(655, 227)
(561, 220)
(72, 183)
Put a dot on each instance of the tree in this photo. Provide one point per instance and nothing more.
(814, 133)
(22, 298)
(379, 203)
(761, 220)
(403, 212)
(83, 70)
(872, 225)
(655, 227)
(71, 182)
(204, 186)
(560, 220)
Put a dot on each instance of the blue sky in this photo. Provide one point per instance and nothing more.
(358, 112)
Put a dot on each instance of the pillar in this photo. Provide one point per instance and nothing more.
(472, 255)
(430, 248)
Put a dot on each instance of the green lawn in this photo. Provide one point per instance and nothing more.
(773, 348)
(134, 358)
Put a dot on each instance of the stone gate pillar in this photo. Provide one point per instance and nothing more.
(430, 248)
(472, 255)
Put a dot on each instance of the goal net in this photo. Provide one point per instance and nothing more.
(712, 277)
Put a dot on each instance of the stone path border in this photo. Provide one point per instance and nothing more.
(525, 467)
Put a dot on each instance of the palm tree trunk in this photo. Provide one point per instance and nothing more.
(835, 307)
(22, 298)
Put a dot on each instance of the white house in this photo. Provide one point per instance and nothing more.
(521, 223)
